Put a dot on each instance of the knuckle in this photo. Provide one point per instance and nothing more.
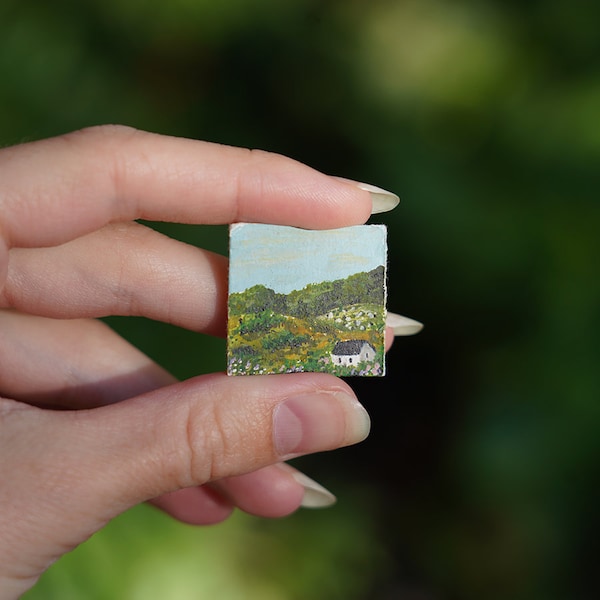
(11, 409)
(113, 152)
(204, 444)
(214, 445)
(99, 133)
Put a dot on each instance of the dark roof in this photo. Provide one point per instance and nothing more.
(349, 347)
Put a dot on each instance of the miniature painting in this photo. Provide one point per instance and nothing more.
(304, 300)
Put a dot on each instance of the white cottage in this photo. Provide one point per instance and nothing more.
(352, 352)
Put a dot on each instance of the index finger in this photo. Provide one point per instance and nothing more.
(55, 190)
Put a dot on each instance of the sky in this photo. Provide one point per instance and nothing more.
(286, 259)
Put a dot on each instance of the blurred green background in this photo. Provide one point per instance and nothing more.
(481, 474)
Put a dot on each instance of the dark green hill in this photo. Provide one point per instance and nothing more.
(315, 299)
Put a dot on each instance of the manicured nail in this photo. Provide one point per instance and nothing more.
(315, 495)
(402, 325)
(382, 200)
(317, 422)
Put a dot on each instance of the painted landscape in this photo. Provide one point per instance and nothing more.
(334, 326)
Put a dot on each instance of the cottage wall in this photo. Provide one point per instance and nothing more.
(346, 360)
(366, 354)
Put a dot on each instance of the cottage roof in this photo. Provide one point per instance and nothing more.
(348, 348)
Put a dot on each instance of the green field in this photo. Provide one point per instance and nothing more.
(277, 333)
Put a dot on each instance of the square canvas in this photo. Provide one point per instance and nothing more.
(303, 300)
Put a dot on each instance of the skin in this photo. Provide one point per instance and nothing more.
(90, 426)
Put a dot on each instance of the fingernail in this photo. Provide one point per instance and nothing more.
(315, 495)
(317, 422)
(402, 325)
(382, 200)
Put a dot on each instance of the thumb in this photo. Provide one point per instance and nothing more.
(65, 474)
(212, 427)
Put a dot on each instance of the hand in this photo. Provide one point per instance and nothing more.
(127, 432)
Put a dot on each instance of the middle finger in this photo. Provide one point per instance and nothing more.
(122, 269)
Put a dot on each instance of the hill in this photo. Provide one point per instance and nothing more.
(315, 299)
(270, 332)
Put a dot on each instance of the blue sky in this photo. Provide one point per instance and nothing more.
(285, 258)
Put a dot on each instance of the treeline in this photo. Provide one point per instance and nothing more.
(313, 300)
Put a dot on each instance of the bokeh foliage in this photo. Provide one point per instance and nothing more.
(480, 477)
